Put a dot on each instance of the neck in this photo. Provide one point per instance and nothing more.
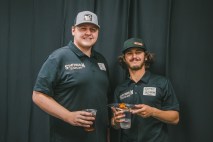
(86, 51)
(136, 75)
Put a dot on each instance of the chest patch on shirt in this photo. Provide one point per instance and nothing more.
(126, 94)
(74, 66)
(149, 91)
(102, 66)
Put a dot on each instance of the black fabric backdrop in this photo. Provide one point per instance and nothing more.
(178, 31)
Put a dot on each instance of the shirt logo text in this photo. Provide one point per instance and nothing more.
(126, 94)
(74, 66)
(149, 91)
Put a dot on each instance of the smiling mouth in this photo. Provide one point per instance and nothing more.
(134, 61)
(87, 38)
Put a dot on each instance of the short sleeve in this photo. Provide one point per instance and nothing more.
(169, 100)
(46, 77)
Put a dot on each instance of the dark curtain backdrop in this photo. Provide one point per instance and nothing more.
(179, 32)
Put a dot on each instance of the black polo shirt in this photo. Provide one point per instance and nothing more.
(152, 90)
(77, 82)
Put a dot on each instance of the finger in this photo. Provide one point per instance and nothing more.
(86, 122)
(117, 120)
(83, 125)
(87, 115)
(113, 109)
(86, 118)
(118, 109)
(136, 111)
(120, 116)
(84, 113)
(83, 122)
(138, 106)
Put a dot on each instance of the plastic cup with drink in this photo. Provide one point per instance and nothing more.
(92, 127)
(126, 120)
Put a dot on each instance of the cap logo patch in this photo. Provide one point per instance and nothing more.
(87, 17)
(138, 43)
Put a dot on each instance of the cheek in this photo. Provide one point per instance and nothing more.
(95, 35)
(128, 58)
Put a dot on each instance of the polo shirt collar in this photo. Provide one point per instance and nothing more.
(144, 79)
(77, 51)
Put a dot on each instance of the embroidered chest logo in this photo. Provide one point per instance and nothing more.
(149, 91)
(102, 66)
(126, 94)
(74, 66)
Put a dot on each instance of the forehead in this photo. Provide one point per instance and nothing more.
(87, 25)
(133, 49)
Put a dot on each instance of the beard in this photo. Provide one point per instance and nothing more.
(135, 67)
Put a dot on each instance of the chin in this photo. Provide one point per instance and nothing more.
(89, 44)
(135, 67)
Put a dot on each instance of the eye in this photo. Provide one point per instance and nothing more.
(93, 30)
(128, 53)
(81, 28)
(138, 52)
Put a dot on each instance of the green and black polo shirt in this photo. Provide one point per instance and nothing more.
(77, 82)
(152, 90)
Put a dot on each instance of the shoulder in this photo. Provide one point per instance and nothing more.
(159, 80)
(122, 86)
(59, 55)
(98, 55)
(157, 77)
(60, 52)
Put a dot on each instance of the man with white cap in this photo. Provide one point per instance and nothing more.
(74, 78)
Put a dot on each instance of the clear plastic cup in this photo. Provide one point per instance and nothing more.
(92, 127)
(126, 124)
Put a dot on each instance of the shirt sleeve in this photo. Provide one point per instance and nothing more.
(169, 100)
(46, 77)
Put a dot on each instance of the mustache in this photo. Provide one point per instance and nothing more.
(135, 59)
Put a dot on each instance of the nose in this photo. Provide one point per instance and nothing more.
(88, 31)
(134, 55)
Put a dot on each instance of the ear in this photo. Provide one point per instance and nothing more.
(73, 30)
(145, 57)
(124, 59)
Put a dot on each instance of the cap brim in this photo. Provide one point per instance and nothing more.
(144, 49)
(87, 23)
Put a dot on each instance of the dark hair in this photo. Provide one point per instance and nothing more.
(149, 59)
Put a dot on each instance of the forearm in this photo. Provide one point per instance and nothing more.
(170, 116)
(49, 105)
